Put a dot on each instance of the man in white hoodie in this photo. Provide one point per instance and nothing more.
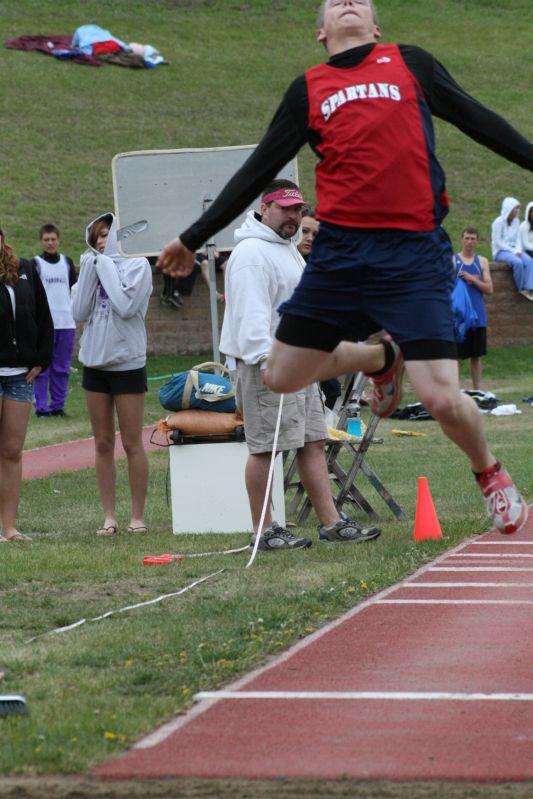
(262, 272)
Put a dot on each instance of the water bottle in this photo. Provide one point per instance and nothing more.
(353, 419)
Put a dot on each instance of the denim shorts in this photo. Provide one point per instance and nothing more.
(14, 387)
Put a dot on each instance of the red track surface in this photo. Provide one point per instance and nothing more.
(461, 625)
(70, 456)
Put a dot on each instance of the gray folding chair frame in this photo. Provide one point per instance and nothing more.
(343, 478)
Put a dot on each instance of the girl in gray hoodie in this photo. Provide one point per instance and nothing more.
(111, 299)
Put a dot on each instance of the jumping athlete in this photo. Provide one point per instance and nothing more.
(381, 258)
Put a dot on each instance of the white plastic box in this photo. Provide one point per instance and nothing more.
(208, 490)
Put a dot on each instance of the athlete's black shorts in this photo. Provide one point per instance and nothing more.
(359, 281)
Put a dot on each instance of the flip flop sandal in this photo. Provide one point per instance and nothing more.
(137, 530)
(106, 532)
(17, 537)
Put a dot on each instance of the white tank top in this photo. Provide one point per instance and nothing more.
(56, 284)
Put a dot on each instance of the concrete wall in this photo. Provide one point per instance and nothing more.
(510, 316)
(185, 330)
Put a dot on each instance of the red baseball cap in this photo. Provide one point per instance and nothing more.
(284, 197)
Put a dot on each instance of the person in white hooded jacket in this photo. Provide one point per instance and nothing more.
(262, 272)
(507, 248)
(525, 232)
(111, 299)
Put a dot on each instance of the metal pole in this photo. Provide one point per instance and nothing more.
(212, 289)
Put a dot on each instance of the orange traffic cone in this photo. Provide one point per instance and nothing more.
(427, 525)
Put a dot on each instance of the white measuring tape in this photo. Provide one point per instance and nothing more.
(128, 607)
(269, 483)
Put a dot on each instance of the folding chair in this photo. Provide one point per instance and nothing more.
(341, 476)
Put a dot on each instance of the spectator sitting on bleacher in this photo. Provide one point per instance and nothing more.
(506, 246)
(525, 234)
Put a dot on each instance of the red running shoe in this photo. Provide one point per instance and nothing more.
(504, 504)
(388, 386)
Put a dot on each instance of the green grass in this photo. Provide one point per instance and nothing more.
(96, 689)
(230, 63)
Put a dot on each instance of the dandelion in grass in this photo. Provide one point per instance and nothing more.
(185, 691)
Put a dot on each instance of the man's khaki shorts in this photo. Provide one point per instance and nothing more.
(302, 418)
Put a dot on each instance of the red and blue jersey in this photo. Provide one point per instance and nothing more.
(384, 182)
(375, 141)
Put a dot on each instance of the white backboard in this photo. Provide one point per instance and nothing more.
(165, 190)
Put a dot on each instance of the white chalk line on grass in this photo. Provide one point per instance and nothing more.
(128, 607)
(408, 696)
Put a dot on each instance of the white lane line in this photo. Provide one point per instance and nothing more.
(480, 569)
(380, 695)
(454, 602)
(468, 585)
(492, 555)
(500, 544)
